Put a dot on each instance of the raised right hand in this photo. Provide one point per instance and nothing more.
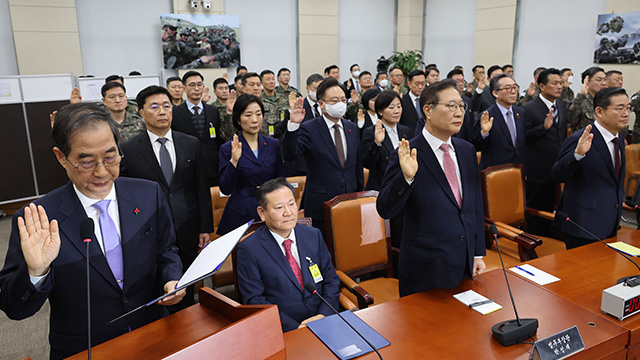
(296, 115)
(379, 133)
(236, 150)
(548, 121)
(584, 143)
(231, 100)
(39, 239)
(482, 83)
(408, 159)
(75, 96)
(486, 123)
(583, 88)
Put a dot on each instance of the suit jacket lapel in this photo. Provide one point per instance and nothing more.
(386, 143)
(273, 249)
(430, 162)
(186, 115)
(129, 228)
(246, 149)
(502, 124)
(69, 224)
(146, 149)
(352, 143)
(602, 149)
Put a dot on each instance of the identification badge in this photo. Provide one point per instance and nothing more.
(315, 271)
(212, 132)
(271, 131)
(281, 116)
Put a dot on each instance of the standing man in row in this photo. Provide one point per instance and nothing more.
(411, 113)
(436, 180)
(591, 163)
(114, 98)
(174, 160)
(196, 118)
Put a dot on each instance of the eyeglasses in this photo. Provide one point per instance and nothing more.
(511, 88)
(453, 106)
(195, 85)
(156, 107)
(620, 109)
(90, 166)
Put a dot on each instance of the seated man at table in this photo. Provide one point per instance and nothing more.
(275, 262)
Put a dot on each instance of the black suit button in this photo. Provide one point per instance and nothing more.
(26, 295)
(125, 300)
(462, 237)
(617, 206)
(461, 216)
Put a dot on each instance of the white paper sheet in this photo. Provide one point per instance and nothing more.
(539, 277)
(469, 297)
(213, 255)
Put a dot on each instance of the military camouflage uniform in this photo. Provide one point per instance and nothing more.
(352, 109)
(581, 112)
(132, 107)
(274, 113)
(182, 53)
(526, 98)
(226, 122)
(635, 104)
(284, 93)
(567, 96)
(403, 88)
(131, 126)
(474, 85)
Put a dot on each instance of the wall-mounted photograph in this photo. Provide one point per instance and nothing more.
(200, 41)
(618, 38)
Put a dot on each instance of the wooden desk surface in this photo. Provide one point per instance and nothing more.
(434, 325)
(586, 271)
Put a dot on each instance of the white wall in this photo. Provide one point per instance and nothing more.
(8, 64)
(449, 32)
(118, 36)
(366, 30)
(268, 34)
(560, 38)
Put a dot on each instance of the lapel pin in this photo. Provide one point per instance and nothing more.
(265, 144)
(136, 211)
(349, 130)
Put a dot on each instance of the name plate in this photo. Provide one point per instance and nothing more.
(558, 346)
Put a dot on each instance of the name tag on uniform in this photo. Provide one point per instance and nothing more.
(281, 116)
(271, 130)
(315, 271)
(212, 132)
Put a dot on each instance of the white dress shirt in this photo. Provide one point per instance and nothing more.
(333, 134)
(294, 247)
(190, 106)
(392, 132)
(435, 144)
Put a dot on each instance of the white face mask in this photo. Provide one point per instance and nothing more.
(383, 83)
(356, 74)
(570, 79)
(312, 95)
(336, 110)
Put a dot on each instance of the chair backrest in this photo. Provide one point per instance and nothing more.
(503, 192)
(357, 237)
(632, 155)
(234, 253)
(218, 202)
(298, 183)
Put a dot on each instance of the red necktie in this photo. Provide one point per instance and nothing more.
(292, 261)
(450, 173)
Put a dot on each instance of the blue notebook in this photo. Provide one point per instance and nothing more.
(342, 340)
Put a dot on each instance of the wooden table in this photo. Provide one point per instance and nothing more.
(434, 325)
(586, 271)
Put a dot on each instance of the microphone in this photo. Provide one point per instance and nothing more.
(511, 332)
(310, 287)
(633, 280)
(86, 233)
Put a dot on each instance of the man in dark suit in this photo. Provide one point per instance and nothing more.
(132, 253)
(274, 263)
(481, 100)
(182, 175)
(546, 130)
(410, 106)
(499, 133)
(435, 179)
(353, 83)
(197, 118)
(331, 149)
(591, 163)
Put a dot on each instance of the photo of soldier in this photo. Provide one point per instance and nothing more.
(199, 41)
(617, 39)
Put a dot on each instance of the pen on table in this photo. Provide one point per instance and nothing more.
(526, 271)
(472, 305)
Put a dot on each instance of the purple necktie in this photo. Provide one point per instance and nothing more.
(450, 172)
(111, 241)
(511, 124)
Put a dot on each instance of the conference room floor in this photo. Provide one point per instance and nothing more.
(29, 337)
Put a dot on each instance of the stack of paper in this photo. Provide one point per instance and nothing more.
(469, 297)
(534, 274)
(626, 248)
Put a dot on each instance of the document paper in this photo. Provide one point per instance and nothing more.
(539, 277)
(470, 297)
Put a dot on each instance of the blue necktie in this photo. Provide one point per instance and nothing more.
(165, 161)
(111, 241)
(418, 108)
